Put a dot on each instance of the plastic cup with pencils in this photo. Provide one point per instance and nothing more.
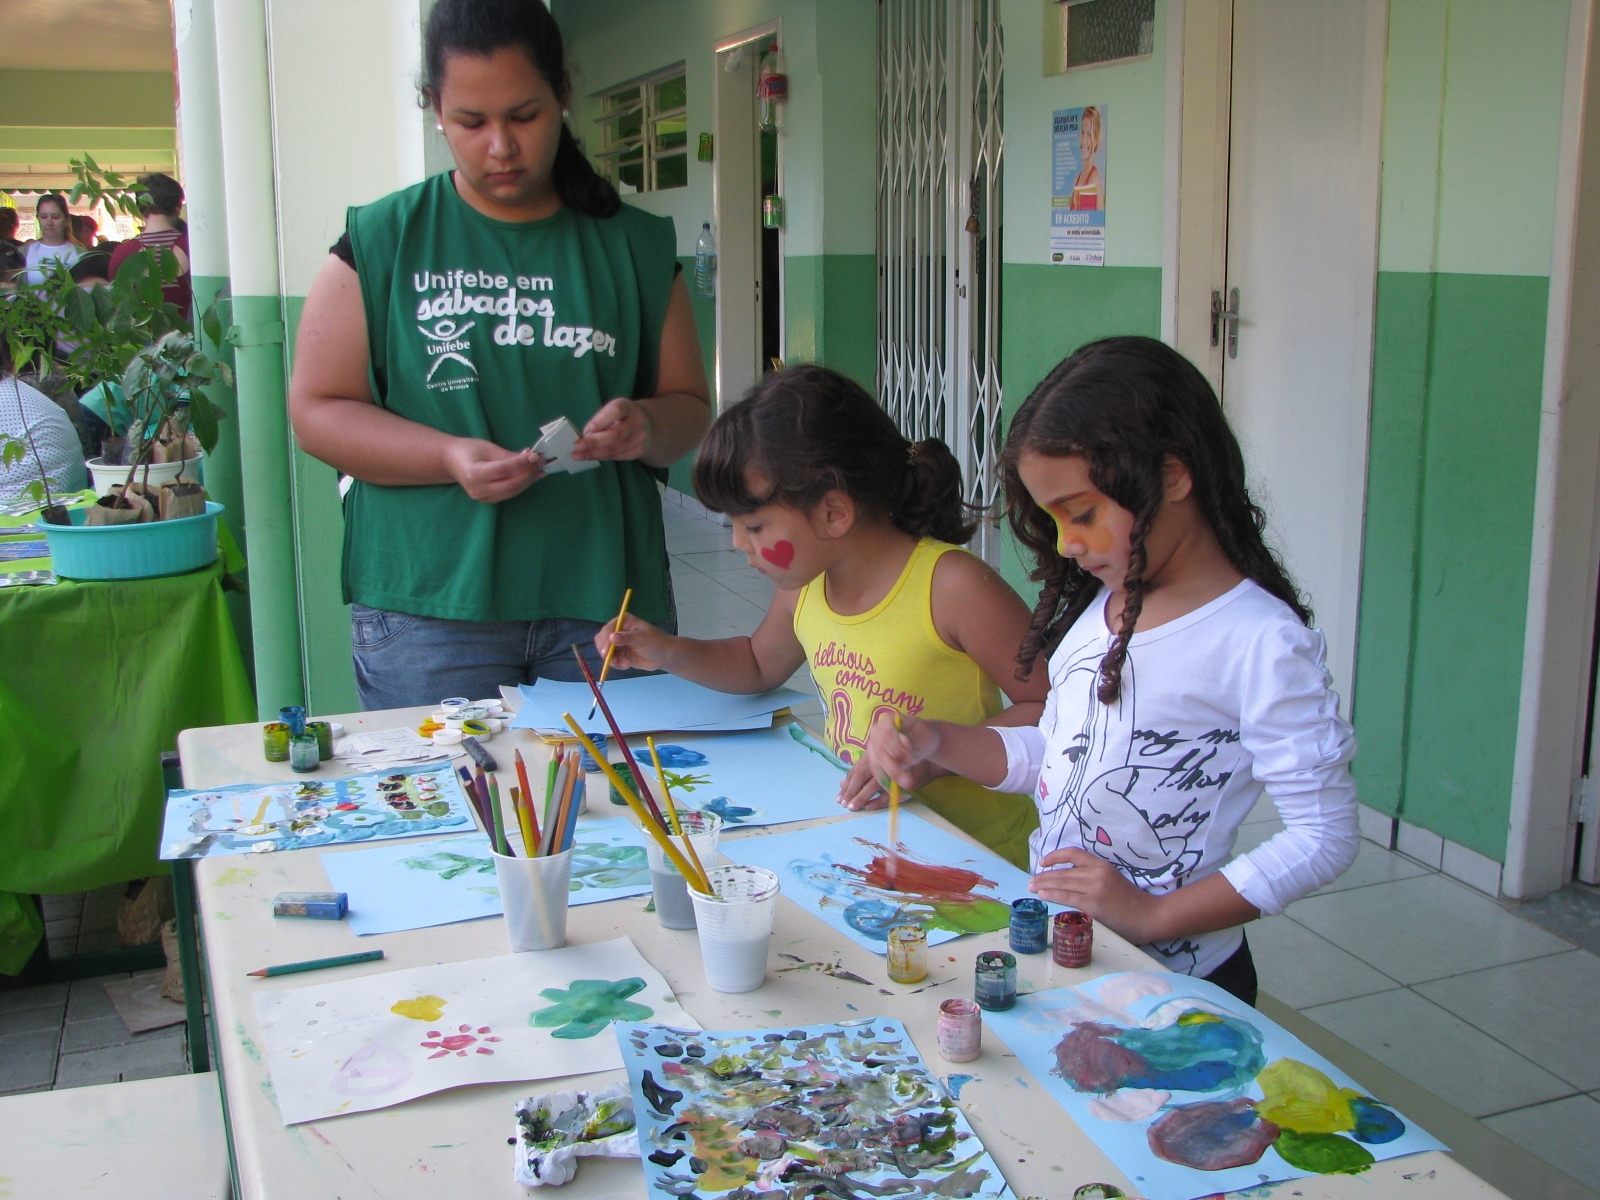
(534, 893)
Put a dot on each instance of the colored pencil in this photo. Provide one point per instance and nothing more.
(471, 789)
(685, 868)
(530, 844)
(563, 813)
(672, 809)
(622, 743)
(552, 802)
(605, 667)
(574, 803)
(501, 846)
(316, 964)
(525, 818)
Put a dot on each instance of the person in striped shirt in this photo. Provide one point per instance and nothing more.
(162, 197)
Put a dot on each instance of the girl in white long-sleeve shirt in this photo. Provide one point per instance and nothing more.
(1185, 679)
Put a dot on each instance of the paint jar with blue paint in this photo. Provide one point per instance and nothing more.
(294, 716)
(1030, 926)
(587, 762)
(994, 984)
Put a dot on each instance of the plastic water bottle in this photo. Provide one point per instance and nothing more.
(705, 262)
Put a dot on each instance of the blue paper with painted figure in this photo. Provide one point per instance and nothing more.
(766, 777)
(420, 884)
(828, 1110)
(1191, 1092)
(259, 818)
(846, 874)
(647, 704)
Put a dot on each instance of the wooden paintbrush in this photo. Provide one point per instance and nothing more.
(605, 667)
(672, 808)
(616, 732)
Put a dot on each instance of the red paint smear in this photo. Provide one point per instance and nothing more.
(891, 872)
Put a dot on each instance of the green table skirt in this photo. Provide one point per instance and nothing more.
(96, 679)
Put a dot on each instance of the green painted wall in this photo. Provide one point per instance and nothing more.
(94, 98)
(830, 305)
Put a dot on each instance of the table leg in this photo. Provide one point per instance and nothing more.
(183, 899)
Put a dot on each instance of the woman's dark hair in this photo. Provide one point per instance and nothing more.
(165, 194)
(483, 26)
(810, 430)
(8, 221)
(1125, 404)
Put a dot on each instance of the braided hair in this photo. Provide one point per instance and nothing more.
(1125, 404)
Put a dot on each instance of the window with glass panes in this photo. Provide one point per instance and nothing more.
(644, 133)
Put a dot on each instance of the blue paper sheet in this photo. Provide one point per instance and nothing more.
(767, 777)
(647, 704)
(419, 884)
(839, 872)
(1142, 1059)
(261, 818)
(833, 1110)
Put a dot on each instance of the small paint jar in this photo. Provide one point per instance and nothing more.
(960, 1030)
(995, 982)
(1074, 940)
(324, 735)
(303, 752)
(587, 762)
(452, 705)
(908, 954)
(626, 771)
(1030, 926)
(275, 741)
(294, 716)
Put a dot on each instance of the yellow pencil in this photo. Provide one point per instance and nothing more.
(672, 809)
(530, 844)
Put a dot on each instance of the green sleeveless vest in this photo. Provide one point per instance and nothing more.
(488, 329)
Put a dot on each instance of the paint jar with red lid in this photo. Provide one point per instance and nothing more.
(1074, 939)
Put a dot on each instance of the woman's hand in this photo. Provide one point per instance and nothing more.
(620, 430)
(640, 645)
(1090, 883)
(490, 473)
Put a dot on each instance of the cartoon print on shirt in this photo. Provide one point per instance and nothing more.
(1139, 798)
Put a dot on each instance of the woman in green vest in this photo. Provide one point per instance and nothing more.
(451, 322)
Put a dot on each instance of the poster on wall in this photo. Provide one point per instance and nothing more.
(1078, 186)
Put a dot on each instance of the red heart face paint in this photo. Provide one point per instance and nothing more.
(780, 554)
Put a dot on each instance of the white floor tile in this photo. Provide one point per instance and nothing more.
(1374, 864)
(1302, 969)
(1264, 810)
(1544, 1009)
(714, 562)
(692, 540)
(1461, 1065)
(1565, 1133)
(1423, 928)
(690, 585)
(1252, 835)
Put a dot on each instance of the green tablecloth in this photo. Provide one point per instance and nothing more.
(96, 679)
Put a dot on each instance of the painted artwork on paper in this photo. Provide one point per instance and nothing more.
(844, 1110)
(1190, 1092)
(382, 1039)
(848, 875)
(767, 777)
(259, 818)
(419, 884)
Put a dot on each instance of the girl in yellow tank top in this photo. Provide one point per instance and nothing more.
(859, 531)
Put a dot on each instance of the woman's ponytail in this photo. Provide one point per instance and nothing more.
(580, 186)
(931, 504)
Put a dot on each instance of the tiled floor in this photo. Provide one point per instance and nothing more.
(1489, 1011)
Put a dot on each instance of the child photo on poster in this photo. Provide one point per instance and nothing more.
(1078, 186)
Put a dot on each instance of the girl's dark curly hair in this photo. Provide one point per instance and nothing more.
(810, 430)
(1125, 404)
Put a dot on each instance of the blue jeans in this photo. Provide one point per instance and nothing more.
(403, 660)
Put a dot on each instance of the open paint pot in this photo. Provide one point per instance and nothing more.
(736, 926)
(1074, 939)
(674, 909)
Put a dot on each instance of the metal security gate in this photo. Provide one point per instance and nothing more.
(939, 147)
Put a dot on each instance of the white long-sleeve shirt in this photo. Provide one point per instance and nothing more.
(1217, 706)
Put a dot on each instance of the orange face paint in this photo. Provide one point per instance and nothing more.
(1094, 534)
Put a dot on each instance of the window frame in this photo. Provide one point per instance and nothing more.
(612, 149)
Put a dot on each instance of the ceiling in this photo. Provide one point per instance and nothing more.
(86, 35)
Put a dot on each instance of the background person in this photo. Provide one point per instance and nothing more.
(161, 234)
(56, 239)
(481, 304)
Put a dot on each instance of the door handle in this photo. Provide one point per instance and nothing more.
(1225, 317)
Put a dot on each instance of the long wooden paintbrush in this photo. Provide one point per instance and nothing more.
(605, 667)
(672, 808)
(894, 817)
(622, 742)
(685, 867)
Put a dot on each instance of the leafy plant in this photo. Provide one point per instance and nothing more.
(98, 186)
(163, 384)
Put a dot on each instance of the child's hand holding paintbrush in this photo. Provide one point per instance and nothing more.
(908, 751)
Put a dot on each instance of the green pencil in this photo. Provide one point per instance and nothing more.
(316, 964)
(501, 846)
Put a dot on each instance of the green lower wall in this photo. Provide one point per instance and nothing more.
(1457, 371)
(830, 307)
(1046, 313)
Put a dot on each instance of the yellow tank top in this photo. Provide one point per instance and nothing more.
(892, 659)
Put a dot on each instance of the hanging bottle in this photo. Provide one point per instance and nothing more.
(705, 262)
(771, 87)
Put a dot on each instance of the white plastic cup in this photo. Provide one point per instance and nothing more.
(671, 889)
(534, 894)
(736, 926)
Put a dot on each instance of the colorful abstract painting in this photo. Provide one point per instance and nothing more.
(418, 884)
(260, 818)
(1191, 1092)
(844, 1110)
(391, 1036)
(848, 874)
(767, 777)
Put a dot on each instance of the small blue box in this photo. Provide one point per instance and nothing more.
(319, 906)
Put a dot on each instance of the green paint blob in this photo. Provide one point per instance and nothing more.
(1322, 1153)
(588, 1006)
